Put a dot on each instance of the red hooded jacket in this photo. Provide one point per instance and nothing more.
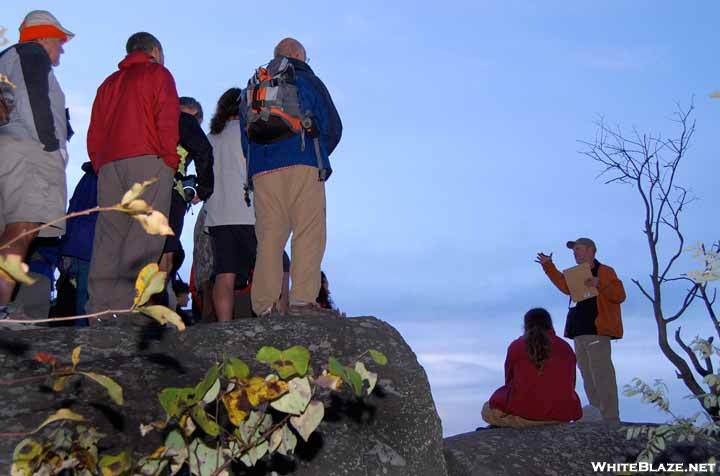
(545, 396)
(136, 112)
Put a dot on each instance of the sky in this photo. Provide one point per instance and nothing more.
(460, 157)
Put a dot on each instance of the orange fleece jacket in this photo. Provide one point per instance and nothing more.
(612, 294)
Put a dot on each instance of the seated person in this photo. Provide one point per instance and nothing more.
(539, 379)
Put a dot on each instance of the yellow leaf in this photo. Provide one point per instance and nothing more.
(260, 390)
(14, 268)
(155, 223)
(138, 206)
(113, 389)
(76, 356)
(115, 465)
(149, 281)
(163, 315)
(237, 405)
(62, 414)
(59, 384)
(135, 191)
(328, 381)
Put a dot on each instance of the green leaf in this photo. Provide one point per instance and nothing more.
(283, 440)
(175, 400)
(204, 460)
(26, 457)
(163, 315)
(115, 465)
(306, 423)
(207, 383)
(296, 400)
(213, 393)
(369, 377)
(62, 414)
(236, 368)
(113, 389)
(378, 357)
(336, 368)
(300, 358)
(251, 432)
(355, 381)
(285, 371)
(268, 355)
(27, 450)
(210, 427)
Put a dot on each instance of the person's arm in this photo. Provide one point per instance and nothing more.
(167, 118)
(331, 130)
(610, 285)
(96, 131)
(552, 272)
(200, 151)
(36, 68)
(509, 364)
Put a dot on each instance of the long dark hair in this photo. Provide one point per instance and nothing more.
(324, 299)
(227, 107)
(538, 325)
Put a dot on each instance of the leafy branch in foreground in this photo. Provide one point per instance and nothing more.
(150, 280)
(229, 417)
(701, 353)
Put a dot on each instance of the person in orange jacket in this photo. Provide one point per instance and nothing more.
(592, 324)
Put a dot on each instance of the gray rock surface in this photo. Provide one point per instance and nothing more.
(395, 432)
(556, 450)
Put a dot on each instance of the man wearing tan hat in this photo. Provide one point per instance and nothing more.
(592, 324)
(33, 138)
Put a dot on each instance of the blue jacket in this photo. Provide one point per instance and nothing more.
(315, 99)
(78, 239)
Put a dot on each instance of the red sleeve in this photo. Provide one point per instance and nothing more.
(167, 118)
(96, 130)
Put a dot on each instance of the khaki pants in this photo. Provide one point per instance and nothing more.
(499, 418)
(122, 247)
(289, 200)
(595, 362)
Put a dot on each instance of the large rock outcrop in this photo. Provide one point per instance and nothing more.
(396, 432)
(556, 450)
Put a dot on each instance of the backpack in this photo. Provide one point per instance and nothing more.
(271, 104)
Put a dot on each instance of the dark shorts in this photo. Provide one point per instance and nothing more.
(176, 220)
(234, 249)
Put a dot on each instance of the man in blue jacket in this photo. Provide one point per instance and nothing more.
(288, 178)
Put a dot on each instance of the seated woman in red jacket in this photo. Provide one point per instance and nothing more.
(539, 379)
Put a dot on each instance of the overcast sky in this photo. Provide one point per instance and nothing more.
(459, 159)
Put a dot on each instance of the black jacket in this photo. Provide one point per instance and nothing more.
(194, 140)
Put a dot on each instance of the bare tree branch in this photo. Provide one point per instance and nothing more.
(693, 358)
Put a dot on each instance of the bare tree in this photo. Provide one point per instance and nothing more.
(649, 163)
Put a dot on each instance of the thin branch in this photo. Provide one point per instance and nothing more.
(56, 221)
(693, 358)
(637, 283)
(689, 298)
(94, 315)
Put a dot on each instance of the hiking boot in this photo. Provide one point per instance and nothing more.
(272, 312)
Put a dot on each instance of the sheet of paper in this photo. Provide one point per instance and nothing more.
(575, 278)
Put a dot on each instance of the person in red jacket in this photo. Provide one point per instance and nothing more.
(539, 379)
(133, 137)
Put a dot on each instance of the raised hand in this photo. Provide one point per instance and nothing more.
(542, 258)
